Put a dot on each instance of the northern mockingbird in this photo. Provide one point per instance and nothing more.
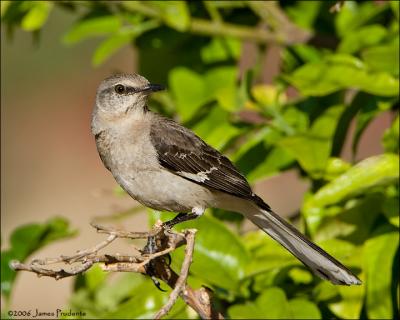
(165, 166)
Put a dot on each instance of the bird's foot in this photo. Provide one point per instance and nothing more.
(152, 247)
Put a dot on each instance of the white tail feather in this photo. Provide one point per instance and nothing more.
(320, 262)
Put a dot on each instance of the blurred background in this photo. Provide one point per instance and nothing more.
(53, 61)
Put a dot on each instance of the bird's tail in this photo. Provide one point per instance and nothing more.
(320, 262)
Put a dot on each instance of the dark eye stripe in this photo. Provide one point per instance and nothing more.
(131, 90)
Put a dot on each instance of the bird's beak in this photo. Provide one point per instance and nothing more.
(153, 88)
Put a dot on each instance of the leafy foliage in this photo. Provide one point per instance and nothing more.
(348, 73)
(27, 239)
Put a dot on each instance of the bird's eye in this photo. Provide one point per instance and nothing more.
(120, 89)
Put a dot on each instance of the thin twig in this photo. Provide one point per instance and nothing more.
(220, 28)
(167, 240)
(56, 274)
(121, 233)
(180, 283)
(79, 255)
(124, 267)
(201, 301)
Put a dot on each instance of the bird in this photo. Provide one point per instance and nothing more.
(167, 167)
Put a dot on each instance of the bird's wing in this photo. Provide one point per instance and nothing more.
(185, 154)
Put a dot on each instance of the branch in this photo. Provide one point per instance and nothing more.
(166, 241)
(219, 28)
(274, 17)
(121, 233)
(56, 274)
(180, 283)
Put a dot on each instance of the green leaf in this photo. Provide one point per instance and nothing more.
(221, 49)
(335, 167)
(220, 83)
(268, 96)
(325, 291)
(271, 304)
(395, 8)
(230, 216)
(266, 254)
(4, 5)
(121, 38)
(298, 54)
(82, 300)
(312, 149)
(277, 159)
(338, 72)
(351, 302)
(55, 229)
(143, 303)
(362, 38)
(109, 47)
(304, 13)
(36, 16)
(222, 265)
(344, 301)
(192, 90)
(379, 257)
(175, 13)
(7, 275)
(348, 221)
(27, 239)
(377, 170)
(245, 311)
(90, 27)
(391, 209)
(216, 128)
(95, 277)
(294, 121)
(383, 58)
(390, 139)
(300, 276)
(311, 152)
(111, 293)
(254, 138)
(369, 173)
(304, 309)
(251, 155)
(343, 250)
(372, 172)
(355, 15)
(189, 90)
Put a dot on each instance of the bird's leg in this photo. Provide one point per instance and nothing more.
(153, 244)
(182, 217)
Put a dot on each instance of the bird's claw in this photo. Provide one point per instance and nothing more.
(150, 268)
(157, 284)
(169, 259)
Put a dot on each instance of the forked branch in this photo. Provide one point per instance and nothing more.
(165, 241)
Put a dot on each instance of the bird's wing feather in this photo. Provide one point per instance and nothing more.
(185, 154)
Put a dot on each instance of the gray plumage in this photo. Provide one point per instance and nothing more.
(165, 166)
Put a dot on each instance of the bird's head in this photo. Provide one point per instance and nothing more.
(120, 93)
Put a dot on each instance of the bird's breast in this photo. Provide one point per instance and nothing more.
(127, 148)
